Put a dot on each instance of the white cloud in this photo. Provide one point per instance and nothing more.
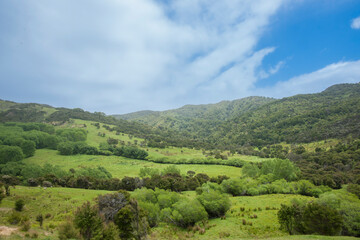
(336, 73)
(119, 55)
(355, 24)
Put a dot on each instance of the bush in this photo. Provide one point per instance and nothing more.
(67, 231)
(215, 203)
(322, 219)
(187, 213)
(87, 220)
(19, 205)
(14, 218)
(10, 154)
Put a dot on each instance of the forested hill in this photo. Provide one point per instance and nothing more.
(333, 113)
(33, 112)
(199, 119)
(258, 121)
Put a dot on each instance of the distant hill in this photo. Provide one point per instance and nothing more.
(258, 121)
(333, 113)
(33, 112)
(199, 119)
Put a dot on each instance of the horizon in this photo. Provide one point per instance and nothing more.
(121, 57)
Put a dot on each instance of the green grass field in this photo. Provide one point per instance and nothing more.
(60, 203)
(120, 166)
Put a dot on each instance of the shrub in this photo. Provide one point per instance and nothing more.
(19, 205)
(187, 213)
(215, 203)
(14, 218)
(322, 219)
(67, 231)
(87, 220)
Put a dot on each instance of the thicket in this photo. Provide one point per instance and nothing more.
(115, 216)
(334, 213)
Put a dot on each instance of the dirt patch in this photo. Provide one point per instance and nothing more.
(7, 231)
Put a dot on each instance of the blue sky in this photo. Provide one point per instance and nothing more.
(119, 56)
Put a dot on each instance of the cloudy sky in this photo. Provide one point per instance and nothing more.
(119, 56)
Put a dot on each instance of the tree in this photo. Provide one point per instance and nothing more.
(322, 219)
(131, 221)
(286, 218)
(87, 220)
(10, 154)
(110, 204)
(28, 148)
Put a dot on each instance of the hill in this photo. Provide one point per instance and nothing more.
(198, 119)
(259, 121)
(34, 112)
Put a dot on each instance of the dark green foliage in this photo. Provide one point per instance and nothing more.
(310, 218)
(286, 217)
(73, 148)
(322, 219)
(215, 203)
(19, 205)
(348, 205)
(123, 221)
(130, 152)
(28, 148)
(87, 220)
(2, 193)
(334, 167)
(40, 219)
(131, 221)
(10, 154)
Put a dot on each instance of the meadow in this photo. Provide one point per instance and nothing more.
(58, 204)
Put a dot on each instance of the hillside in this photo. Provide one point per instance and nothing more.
(198, 121)
(33, 112)
(333, 113)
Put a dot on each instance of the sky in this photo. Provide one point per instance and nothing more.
(121, 56)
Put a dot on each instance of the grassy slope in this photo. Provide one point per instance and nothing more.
(61, 203)
(173, 152)
(265, 226)
(120, 167)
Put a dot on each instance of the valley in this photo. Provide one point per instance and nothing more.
(220, 171)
